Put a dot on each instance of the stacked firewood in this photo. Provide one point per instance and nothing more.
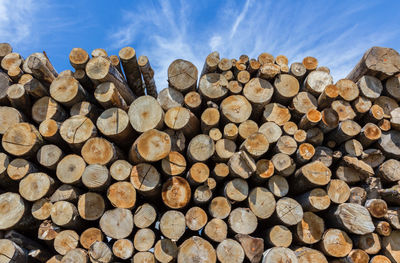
(249, 160)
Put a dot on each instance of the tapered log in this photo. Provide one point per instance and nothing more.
(336, 243)
(145, 113)
(176, 192)
(338, 191)
(35, 186)
(108, 96)
(146, 179)
(241, 165)
(120, 170)
(77, 130)
(182, 75)
(316, 82)
(219, 207)
(230, 251)
(259, 93)
(315, 200)
(47, 108)
(99, 70)
(100, 252)
(18, 168)
(172, 225)
(309, 255)
(236, 109)
(49, 156)
(268, 71)
(310, 229)
(278, 185)
(354, 218)
(96, 177)
(196, 248)
(65, 241)
(376, 61)
(144, 216)
(283, 164)
(89, 236)
(40, 67)
(114, 123)
(216, 230)
(22, 139)
(11, 252)
(117, 223)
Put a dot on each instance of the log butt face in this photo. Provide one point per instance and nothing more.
(196, 249)
(12, 209)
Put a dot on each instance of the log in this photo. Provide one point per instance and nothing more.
(310, 63)
(246, 129)
(47, 108)
(310, 229)
(78, 58)
(19, 98)
(256, 145)
(99, 52)
(336, 243)
(354, 218)
(89, 236)
(144, 257)
(346, 130)
(116, 63)
(200, 148)
(99, 70)
(180, 118)
(277, 113)
(315, 200)
(311, 175)
(290, 128)
(122, 195)
(309, 255)
(50, 131)
(343, 110)
(264, 170)
(192, 101)
(117, 223)
(47, 231)
(303, 102)
(35, 186)
(234, 87)
(176, 192)
(145, 114)
(41, 209)
(271, 130)
(65, 214)
(378, 62)
(253, 247)
(278, 185)
(146, 179)
(76, 130)
(86, 109)
(376, 207)
(230, 251)
(196, 218)
(380, 259)
(370, 243)
(150, 146)
(216, 230)
(241, 165)
(11, 252)
(8, 117)
(165, 250)
(268, 71)
(242, 221)
(22, 139)
(18, 168)
(283, 164)
(172, 224)
(348, 90)
(14, 212)
(279, 254)
(383, 228)
(357, 255)
(114, 124)
(390, 246)
(107, 95)
(67, 91)
(236, 109)
(66, 241)
(40, 67)
(279, 236)
(286, 145)
(148, 76)
(144, 239)
(120, 170)
(316, 82)
(195, 248)
(215, 134)
(219, 207)
(259, 93)
(327, 96)
(198, 173)
(11, 60)
(361, 105)
(209, 119)
(213, 86)
(298, 70)
(75, 255)
(170, 98)
(70, 169)
(144, 216)
(261, 202)
(211, 63)
(66, 192)
(91, 206)
(338, 191)
(5, 49)
(100, 252)
(81, 76)
(388, 143)
(49, 156)
(182, 75)
(370, 87)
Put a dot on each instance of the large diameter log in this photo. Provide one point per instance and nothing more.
(122, 195)
(348, 90)
(389, 143)
(213, 86)
(354, 218)
(11, 252)
(108, 96)
(5, 49)
(145, 113)
(172, 224)
(311, 175)
(96, 177)
(389, 171)
(35, 186)
(338, 191)
(67, 91)
(242, 221)
(336, 243)
(182, 75)
(379, 62)
(194, 249)
(14, 213)
(236, 109)
(98, 150)
(316, 82)
(77, 130)
(146, 179)
(117, 223)
(22, 139)
(151, 146)
(309, 255)
(144, 216)
(176, 192)
(259, 93)
(230, 251)
(286, 87)
(114, 123)
(70, 169)
(279, 254)
(99, 69)
(310, 229)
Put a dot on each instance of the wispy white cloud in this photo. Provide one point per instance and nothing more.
(328, 31)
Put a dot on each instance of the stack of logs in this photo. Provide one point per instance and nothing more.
(252, 160)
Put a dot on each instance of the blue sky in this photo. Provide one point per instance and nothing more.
(336, 32)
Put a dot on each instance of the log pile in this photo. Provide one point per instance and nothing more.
(247, 160)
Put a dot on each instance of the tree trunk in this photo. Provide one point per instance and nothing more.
(145, 113)
(148, 76)
(144, 216)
